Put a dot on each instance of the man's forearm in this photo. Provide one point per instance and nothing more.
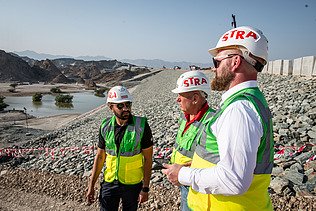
(147, 172)
(97, 167)
(148, 160)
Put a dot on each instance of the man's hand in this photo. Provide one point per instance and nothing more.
(172, 172)
(90, 196)
(143, 197)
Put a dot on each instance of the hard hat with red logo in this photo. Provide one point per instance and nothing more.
(248, 40)
(119, 94)
(192, 81)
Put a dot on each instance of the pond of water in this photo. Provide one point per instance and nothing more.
(82, 102)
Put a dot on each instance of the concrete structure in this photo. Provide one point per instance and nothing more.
(297, 66)
(307, 65)
(287, 67)
(277, 67)
(270, 67)
(304, 66)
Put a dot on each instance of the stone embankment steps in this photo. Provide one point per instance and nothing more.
(292, 102)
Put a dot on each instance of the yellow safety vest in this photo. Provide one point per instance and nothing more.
(206, 156)
(184, 146)
(125, 166)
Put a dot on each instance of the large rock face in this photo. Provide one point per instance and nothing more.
(65, 70)
(14, 68)
(50, 72)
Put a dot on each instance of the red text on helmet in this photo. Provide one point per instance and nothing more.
(194, 81)
(239, 34)
(112, 95)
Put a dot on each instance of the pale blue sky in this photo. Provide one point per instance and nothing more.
(172, 30)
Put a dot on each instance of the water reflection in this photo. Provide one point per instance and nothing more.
(64, 105)
(82, 102)
(37, 104)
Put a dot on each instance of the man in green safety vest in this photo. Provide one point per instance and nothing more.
(192, 88)
(232, 165)
(126, 146)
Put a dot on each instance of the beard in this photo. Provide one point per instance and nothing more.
(221, 83)
(123, 116)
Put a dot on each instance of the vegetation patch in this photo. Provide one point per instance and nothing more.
(100, 92)
(3, 105)
(37, 97)
(55, 90)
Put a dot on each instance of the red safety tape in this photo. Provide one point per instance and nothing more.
(160, 152)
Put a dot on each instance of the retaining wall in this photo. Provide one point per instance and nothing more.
(304, 66)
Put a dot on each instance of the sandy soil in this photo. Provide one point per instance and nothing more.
(18, 118)
(48, 123)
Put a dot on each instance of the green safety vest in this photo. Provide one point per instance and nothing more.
(185, 143)
(126, 163)
(206, 156)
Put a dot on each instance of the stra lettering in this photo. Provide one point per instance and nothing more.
(194, 81)
(236, 34)
(112, 95)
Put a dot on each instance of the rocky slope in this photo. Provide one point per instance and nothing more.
(55, 165)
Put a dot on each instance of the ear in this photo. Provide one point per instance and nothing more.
(195, 98)
(236, 62)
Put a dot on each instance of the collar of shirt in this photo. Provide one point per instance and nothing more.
(238, 87)
(198, 116)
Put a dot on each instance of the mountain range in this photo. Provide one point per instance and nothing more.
(15, 68)
(43, 56)
(156, 63)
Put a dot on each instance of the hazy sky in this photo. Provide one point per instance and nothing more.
(172, 30)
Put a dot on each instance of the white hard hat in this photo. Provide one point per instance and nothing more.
(192, 81)
(248, 40)
(119, 94)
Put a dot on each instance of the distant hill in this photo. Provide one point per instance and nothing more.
(158, 63)
(15, 69)
(64, 70)
(43, 56)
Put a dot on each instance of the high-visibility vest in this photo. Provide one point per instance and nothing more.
(184, 146)
(126, 163)
(206, 156)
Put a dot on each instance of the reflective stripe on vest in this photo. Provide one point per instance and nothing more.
(125, 163)
(185, 144)
(206, 156)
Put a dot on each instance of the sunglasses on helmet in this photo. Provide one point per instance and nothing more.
(217, 60)
(121, 105)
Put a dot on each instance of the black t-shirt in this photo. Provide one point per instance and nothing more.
(119, 133)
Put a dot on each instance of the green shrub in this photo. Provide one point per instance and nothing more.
(3, 105)
(63, 98)
(100, 92)
(14, 85)
(55, 90)
(37, 97)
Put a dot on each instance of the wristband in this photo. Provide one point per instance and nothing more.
(145, 189)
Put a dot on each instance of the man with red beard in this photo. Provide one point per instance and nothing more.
(232, 165)
(126, 146)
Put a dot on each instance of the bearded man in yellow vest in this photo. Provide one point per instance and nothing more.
(232, 165)
(192, 88)
(126, 146)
